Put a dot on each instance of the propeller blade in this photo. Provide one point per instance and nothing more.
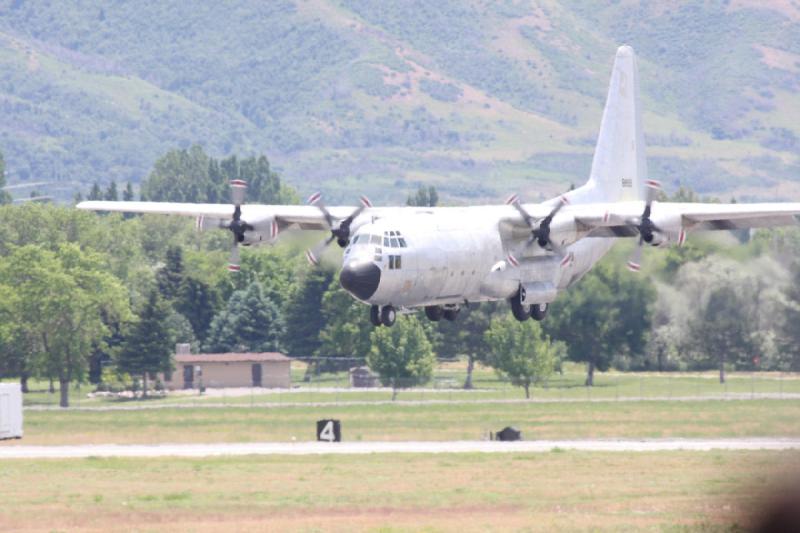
(653, 188)
(233, 264)
(238, 190)
(316, 200)
(635, 261)
(314, 254)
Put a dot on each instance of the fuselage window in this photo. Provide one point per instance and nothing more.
(394, 262)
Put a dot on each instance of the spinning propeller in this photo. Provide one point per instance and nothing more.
(340, 232)
(644, 225)
(540, 230)
(237, 226)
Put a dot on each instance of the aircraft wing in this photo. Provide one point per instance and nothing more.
(613, 220)
(303, 216)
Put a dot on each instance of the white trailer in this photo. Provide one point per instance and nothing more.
(10, 411)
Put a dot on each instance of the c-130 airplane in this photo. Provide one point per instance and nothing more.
(398, 259)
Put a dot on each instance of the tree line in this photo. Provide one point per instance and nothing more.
(88, 297)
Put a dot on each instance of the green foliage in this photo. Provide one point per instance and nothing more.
(401, 355)
(149, 342)
(170, 276)
(5, 197)
(193, 176)
(250, 322)
(198, 302)
(346, 330)
(304, 318)
(521, 352)
(425, 197)
(606, 314)
(57, 303)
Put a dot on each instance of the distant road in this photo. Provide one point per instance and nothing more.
(211, 404)
(322, 448)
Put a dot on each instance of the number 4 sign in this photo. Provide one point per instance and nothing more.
(329, 430)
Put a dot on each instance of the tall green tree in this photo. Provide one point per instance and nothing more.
(465, 337)
(149, 341)
(521, 352)
(199, 302)
(95, 193)
(424, 197)
(111, 193)
(61, 298)
(607, 314)
(402, 355)
(127, 194)
(344, 333)
(304, 319)
(249, 322)
(5, 197)
(789, 330)
(170, 276)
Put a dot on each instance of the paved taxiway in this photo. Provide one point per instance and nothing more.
(11, 451)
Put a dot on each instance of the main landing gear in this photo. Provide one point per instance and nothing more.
(523, 312)
(436, 312)
(382, 316)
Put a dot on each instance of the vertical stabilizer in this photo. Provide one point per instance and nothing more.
(619, 169)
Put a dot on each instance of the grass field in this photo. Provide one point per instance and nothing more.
(675, 491)
(449, 378)
(462, 421)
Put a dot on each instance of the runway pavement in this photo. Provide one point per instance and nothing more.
(10, 451)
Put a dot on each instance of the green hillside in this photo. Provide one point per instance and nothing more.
(478, 98)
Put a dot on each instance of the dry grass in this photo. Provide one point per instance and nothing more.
(466, 421)
(471, 492)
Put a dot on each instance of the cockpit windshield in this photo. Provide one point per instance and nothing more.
(389, 239)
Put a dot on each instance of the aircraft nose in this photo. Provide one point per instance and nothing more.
(361, 280)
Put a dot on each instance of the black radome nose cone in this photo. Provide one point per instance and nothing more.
(360, 280)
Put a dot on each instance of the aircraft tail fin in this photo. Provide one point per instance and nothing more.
(619, 168)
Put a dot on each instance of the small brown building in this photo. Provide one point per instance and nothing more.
(218, 370)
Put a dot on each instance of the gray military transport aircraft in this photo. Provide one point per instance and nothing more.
(397, 259)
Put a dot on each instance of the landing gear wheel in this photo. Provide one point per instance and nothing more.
(375, 315)
(451, 314)
(539, 311)
(388, 315)
(434, 312)
(521, 312)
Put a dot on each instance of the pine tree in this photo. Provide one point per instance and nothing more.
(198, 302)
(111, 192)
(95, 193)
(127, 194)
(149, 341)
(304, 319)
(249, 322)
(5, 197)
(170, 276)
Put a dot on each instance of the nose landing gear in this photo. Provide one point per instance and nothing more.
(382, 316)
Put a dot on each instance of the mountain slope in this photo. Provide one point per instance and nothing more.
(478, 98)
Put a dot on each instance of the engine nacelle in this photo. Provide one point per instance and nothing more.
(671, 230)
(265, 231)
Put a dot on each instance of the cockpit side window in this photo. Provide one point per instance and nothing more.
(375, 239)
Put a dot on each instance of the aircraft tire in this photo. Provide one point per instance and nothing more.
(451, 314)
(539, 311)
(520, 312)
(388, 316)
(434, 312)
(375, 315)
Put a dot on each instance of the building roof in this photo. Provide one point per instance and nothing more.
(231, 357)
